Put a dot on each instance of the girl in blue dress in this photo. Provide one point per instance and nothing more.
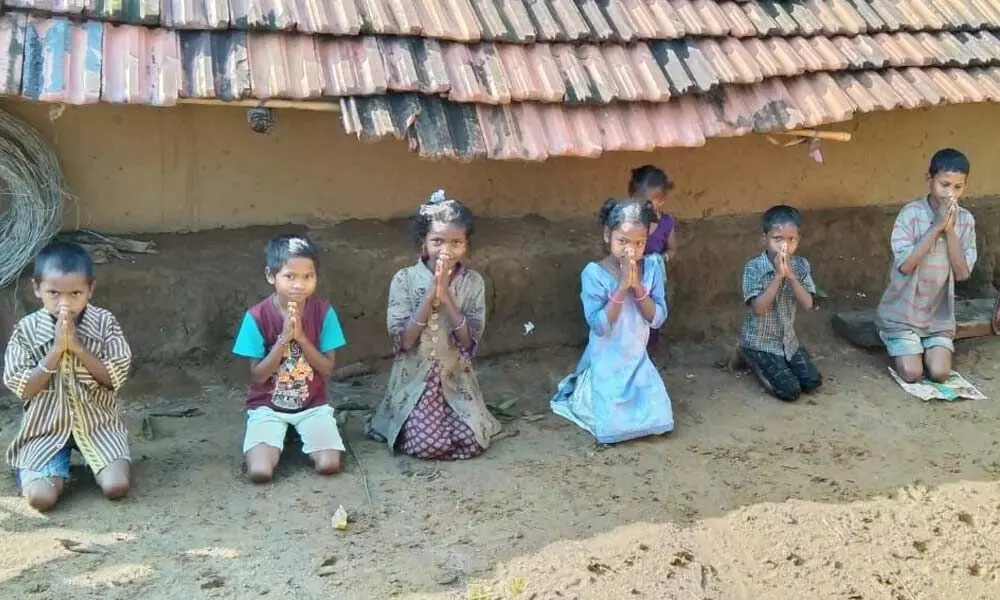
(616, 393)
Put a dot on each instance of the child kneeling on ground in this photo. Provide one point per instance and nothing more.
(66, 362)
(774, 283)
(933, 245)
(290, 338)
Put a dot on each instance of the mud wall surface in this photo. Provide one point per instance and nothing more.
(185, 303)
(194, 168)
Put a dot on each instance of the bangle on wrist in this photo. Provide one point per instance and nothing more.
(461, 324)
(617, 301)
(41, 367)
(417, 323)
(645, 294)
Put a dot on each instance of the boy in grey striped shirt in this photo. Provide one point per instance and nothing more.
(66, 362)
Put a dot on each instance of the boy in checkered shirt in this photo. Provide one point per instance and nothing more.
(774, 283)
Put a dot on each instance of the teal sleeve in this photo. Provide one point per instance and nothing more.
(249, 341)
(331, 336)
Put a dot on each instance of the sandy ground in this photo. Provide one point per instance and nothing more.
(857, 493)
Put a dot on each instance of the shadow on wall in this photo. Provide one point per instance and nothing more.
(185, 303)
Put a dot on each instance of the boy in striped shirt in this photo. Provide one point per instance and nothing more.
(933, 245)
(66, 362)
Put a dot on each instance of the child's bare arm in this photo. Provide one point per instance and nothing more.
(38, 378)
(97, 369)
(458, 320)
(802, 295)
(264, 369)
(417, 323)
(320, 362)
(922, 247)
(956, 254)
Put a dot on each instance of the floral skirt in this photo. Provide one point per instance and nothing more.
(433, 430)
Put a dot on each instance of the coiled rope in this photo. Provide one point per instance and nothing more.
(31, 196)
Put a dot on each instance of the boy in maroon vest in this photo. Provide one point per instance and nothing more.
(290, 338)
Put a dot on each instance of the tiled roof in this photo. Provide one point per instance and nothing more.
(515, 79)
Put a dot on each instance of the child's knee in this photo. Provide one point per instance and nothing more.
(42, 497)
(911, 374)
(812, 383)
(787, 392)
(259, 472)
(938, 374)
(327, 462)
(115, 490)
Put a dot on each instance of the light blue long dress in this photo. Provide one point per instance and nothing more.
(616, 392)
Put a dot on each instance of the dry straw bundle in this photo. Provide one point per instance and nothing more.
(31, 196)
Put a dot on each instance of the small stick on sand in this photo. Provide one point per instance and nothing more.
(361, 467)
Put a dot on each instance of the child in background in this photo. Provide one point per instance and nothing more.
(433, 407)
(774, 283)
(648, 183)
(66, 362)
(616, 393)
(933, 245)
(291, 339)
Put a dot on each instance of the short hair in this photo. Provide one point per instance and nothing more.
(443, 210)
(286, 247)
(63, 258)
(614, 213)
(948, 160)
(776, 216)
(648, 177)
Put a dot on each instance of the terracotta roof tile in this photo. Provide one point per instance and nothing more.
(600, 24)
(351, 66)
(921, 82)
(215, 65)
(284, 66)
(967, 83)
(807, 20)
(139, 12)
(140, 65)
(60, 7)
(988, 81)
(905, 49)
(62, 60)
(832, 57)
(951, 91)
(909, 96)
(195, 14)
(742, 62)
(517, 79)
(12, 53)
(739, 24)
(857, 16)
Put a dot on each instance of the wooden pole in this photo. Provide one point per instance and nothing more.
(291, 104)
(834, 136)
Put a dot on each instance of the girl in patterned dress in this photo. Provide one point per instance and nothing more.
(433, 407)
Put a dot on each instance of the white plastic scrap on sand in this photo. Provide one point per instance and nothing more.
(339, 520)
(529, 327)
(955, 388)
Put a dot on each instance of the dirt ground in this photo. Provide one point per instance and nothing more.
(857, 493)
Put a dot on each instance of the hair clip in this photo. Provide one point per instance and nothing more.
(439, 207)
(297, 244)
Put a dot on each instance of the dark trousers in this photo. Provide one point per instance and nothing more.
(786, 379)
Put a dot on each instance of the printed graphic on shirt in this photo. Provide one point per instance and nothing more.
(291, 385)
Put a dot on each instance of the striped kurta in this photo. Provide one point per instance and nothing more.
(73, 404)
(924, 301)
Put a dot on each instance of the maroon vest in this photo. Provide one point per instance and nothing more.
(295, 386)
